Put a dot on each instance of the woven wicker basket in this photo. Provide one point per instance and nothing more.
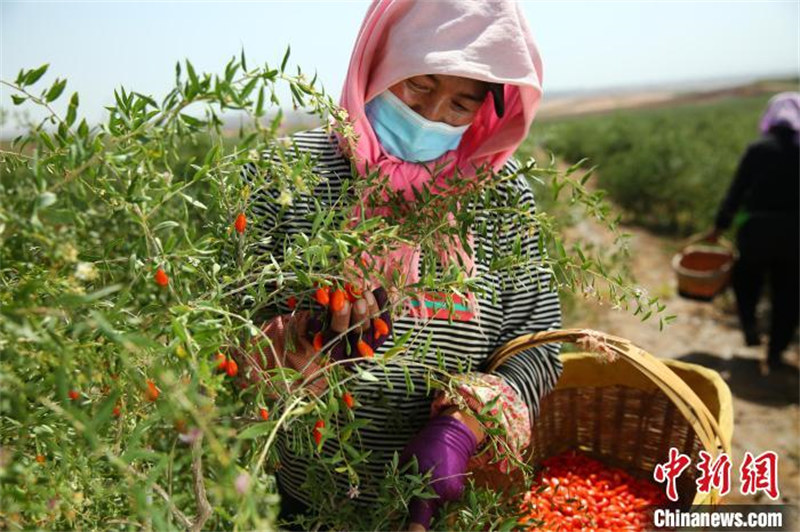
(627, 408)
(703, 270)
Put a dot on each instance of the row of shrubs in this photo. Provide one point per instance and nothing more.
(666, 168)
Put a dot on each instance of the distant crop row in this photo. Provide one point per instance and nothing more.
(666, 168)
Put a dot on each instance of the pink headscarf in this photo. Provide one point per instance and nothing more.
(484, 40)
(783, 109)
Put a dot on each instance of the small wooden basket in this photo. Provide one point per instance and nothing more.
(703, 269)
(626, 408)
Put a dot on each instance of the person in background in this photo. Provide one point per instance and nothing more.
(763, 201)
(453, 85)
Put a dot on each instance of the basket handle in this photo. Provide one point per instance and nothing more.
(613, 347)
(699, 238)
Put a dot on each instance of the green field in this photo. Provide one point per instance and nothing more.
(667, 168)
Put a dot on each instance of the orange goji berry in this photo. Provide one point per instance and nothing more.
(322, 295)
(380, 327)
(348, 399)
(264, 413)
(318, 342)
(232, 369)
(74, 395)
(161, 277)
(364, 349)
(152, 391)
(40, 458)
(222, 362)
(240, 223)
(351, 292)
(292, 302)
(337, 300)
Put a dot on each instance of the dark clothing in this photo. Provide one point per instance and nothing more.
(290, 508)
(766, 189)
(767, 181)
(762, 256)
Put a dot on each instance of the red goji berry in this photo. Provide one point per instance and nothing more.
(317, 433)
(232, 368)
(116, 411)
(352, 292)
(348, 399)
(240, 223)
(364, 349)
(576, 492)
(337, 300)
(318, 342)
(161, 277)
(380, 327)
(74, 395)
(322, 295)
(264, 413)
(222, 362)
(40, 458)
(152, 391)
(292, 302)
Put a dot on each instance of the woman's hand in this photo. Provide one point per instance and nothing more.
(283, 343)
(294, 340)
(370, 318)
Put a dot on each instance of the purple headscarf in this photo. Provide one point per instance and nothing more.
(783, 109)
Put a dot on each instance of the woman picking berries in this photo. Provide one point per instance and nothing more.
(433, 89)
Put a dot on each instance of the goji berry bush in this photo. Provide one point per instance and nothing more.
(126, 252)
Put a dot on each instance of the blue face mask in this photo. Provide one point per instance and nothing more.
(407, 135)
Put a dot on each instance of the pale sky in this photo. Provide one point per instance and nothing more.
(100, 45)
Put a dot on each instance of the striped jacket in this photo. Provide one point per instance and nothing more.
(522, 303)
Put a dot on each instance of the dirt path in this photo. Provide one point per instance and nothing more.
(766, 409)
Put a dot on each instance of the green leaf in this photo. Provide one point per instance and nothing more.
(409, 382)
(55, 90)
(72, 109)
(366, 375)
(260, 103)
(83, 129)
(166, 225)
(285, 58)
(18, 99)
(46, 199)
(192, 75)
(100, 294)
(508, 525)
(33, 76)
(255, 430)
(193, 201)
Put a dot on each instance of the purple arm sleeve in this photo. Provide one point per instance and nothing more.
(445, 445)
